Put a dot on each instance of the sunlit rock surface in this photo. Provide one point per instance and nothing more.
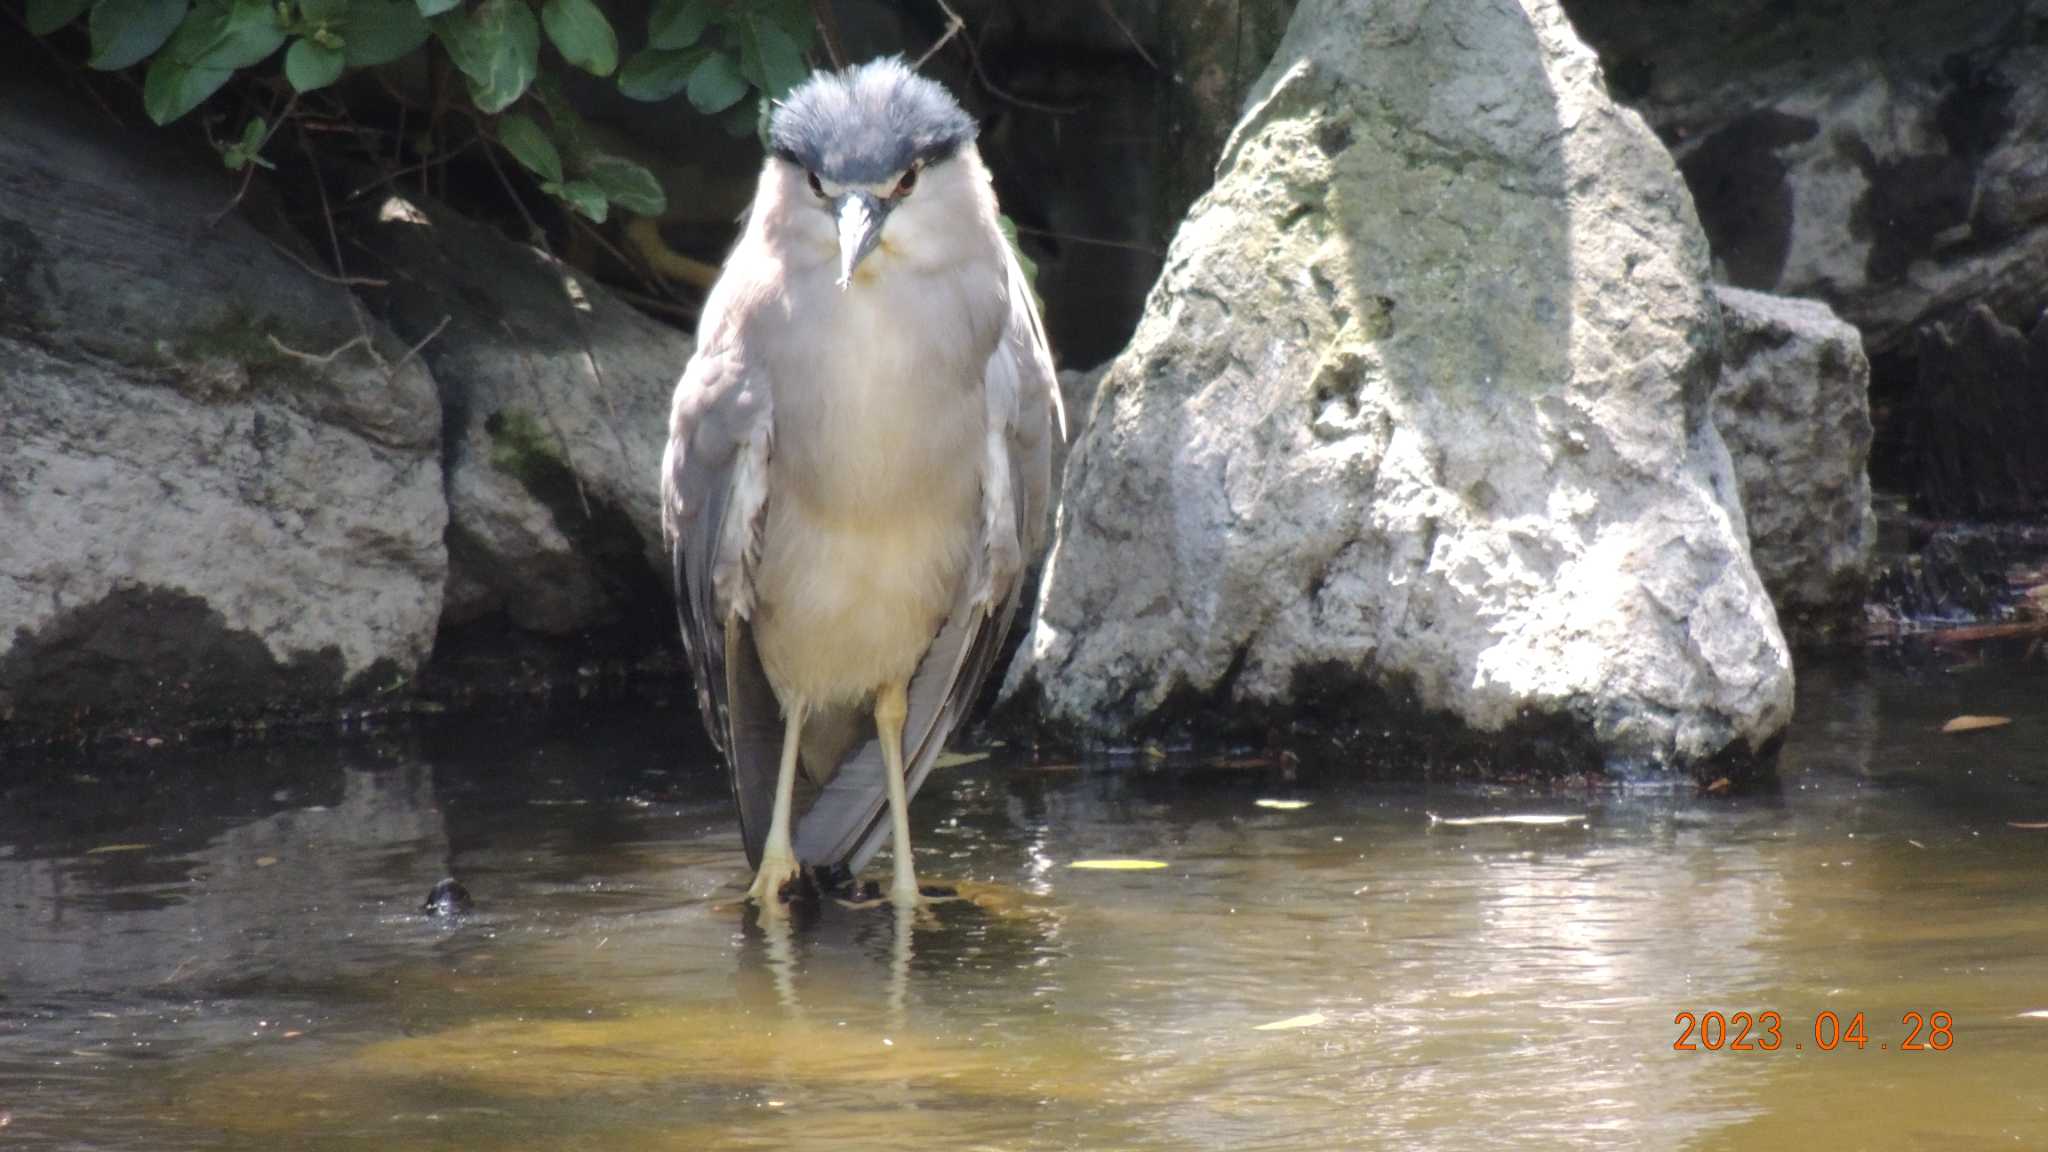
(219, 489)
(1419, 412)
(1793, 405)
(557, 402)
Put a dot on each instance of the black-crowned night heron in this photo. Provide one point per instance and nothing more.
(857, 468)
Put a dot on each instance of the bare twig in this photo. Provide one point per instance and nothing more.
(394, 176)
(828, 32)
(1109, 10)
(954, 26)
(321, 360)
(355, 308)
(317, 274)
(595, 235)
(1071, 238)
(415, 349)
(981, 74)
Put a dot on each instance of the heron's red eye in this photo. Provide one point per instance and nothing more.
(907, 182)
(815, 186)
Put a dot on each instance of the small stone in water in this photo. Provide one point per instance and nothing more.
(447, 899)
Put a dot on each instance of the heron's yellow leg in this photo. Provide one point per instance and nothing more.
(891, 708)
(644, 234)
(778, 859)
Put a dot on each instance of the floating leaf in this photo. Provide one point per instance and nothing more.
(1282, 805)
(582, 35)
(655, 76)
(2028, 825)
(1975, 723)
(529, 145)
(2036, 1014)
(1520, 821)
(377, 32)
(310, 66)
(125, 32)
(497, 46)
(1118, 865)
(627, 184)
(956, 759)
(110, 849)
(677, 23)
(1309, 1020)
(266, 861)
(46, 16)
(716, 84)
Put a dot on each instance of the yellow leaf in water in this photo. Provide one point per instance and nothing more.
(1521, 821)
(956, 759)
(106, 849)
(2037, 1014)
(1118, 865)
(1282, 805)
(2028, 825)
(1975, 723)
(265, 861)
(1291, 1023)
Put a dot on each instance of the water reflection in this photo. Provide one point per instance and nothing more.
(247, 968)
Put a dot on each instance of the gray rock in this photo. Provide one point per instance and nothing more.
(216, 494)
(557, 401)
(1418, 410)
(1793, 406)
(1887, 158)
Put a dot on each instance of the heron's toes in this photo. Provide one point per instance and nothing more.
(774, 883)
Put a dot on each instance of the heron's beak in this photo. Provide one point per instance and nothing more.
(861, 217)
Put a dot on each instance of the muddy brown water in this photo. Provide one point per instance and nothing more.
(223, 950)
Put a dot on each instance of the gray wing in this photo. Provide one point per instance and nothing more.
(714, 486)
(845, 825)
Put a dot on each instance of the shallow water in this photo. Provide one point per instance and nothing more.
(223, 949)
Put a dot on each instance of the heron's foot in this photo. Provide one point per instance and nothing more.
(869, 894)
(773, 883)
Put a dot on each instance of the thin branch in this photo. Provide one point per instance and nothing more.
(981, 74)
(828, 32)
(392, 177)
(1109, 10)
(355, 308)
(1069, 237)
(424, 341)
(320, 361)
(954, 26)
(317, 274)
(249, 169)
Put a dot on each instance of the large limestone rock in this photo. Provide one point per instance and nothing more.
(557, 399)
(215, 494)
(1793, 406)
(1419, 410)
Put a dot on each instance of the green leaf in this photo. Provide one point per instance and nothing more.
(46, 16)
(226, 34)
(654, 76)
(126, 31)
(497, 46)
(432, 8)
(379, 31)
(322, 11)
(173, 88)
(529, 145)
(311, 66)
(769, 57)
(748, 118)
(716, 84)
(254, 133)
(676, 24)
(583, 196)
(628, 185)
(582, 35)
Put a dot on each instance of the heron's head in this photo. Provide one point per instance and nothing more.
(879, 157)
